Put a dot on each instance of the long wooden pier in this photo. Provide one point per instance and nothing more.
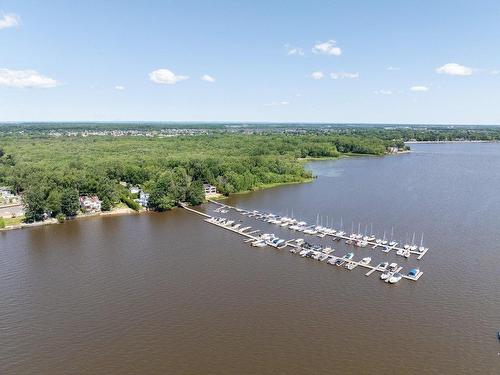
(289, 243)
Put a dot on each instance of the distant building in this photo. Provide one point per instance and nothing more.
(90, 204)
(209, 189)
(6, 197)
(135, 190)
(143, 199)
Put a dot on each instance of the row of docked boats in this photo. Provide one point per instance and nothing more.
(230, 224)
(355, 238)
(269, 239)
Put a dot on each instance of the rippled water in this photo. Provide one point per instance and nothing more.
(168, 293)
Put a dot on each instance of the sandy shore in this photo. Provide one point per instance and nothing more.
(113, 212)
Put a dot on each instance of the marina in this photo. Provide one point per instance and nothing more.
(355, 238)
(306, 250)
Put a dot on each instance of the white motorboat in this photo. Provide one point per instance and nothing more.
(259, 243)
(383, 266)
(323, 257)
(385, 275)
(366, 260)
(395, 278)
(393, 267)
(328, 250)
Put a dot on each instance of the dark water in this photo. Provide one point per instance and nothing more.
(168, 293)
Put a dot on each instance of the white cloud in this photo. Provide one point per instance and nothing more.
(392, 68)
(419, 88)
(327, 48)
(495, 72)
(208, 78)
(273, 104)
(342, 75)
(25, 79)
(120, 88)
(9, 20)
(454, 69)
(166, 77)
(383, 92)
(294, 51)
(317, 75)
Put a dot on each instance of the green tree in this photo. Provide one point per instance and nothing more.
(70, 202)
(106, 204)
(34, 203)
(53, 202)
(195, 194)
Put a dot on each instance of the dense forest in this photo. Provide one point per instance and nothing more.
(52, 165)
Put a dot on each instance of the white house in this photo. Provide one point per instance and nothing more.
(90, 204)
(135, 190)
(143, 199)
(209, 189)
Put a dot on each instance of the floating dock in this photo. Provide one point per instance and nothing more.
(290, 243)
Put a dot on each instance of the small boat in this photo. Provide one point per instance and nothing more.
(498, 335)
(328, 250)
(413, 272)
(366, 260)
(383, 266)
(385, 275)
(259, 243)
(323, 257)
(342, 260)
(332, 260)
(317, 255)
(339, 262)
(350, 265)
(395, 278)
(393, 266)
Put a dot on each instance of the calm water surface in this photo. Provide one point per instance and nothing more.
(168, 293)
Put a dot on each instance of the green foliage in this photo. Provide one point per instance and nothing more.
(130, 203)
(106, 204)
(195, 194)
(34, 201)
(52, 172)
(2, 223)
(60, 217)
(70, 203)
(53, 203)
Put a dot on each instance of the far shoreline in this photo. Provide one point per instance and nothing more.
(118, 211)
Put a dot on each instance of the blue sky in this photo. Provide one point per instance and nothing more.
(374, 61)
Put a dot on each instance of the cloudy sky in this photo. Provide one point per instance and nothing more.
(313, 61)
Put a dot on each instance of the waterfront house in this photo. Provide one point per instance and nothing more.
(90, 203)
(209, 189)
(143, 199)
(134, 190)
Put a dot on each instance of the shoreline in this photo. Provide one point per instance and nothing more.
(442, 142)
(118, 211)
(114, 212)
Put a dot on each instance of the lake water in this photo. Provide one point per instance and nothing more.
(169, 293)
